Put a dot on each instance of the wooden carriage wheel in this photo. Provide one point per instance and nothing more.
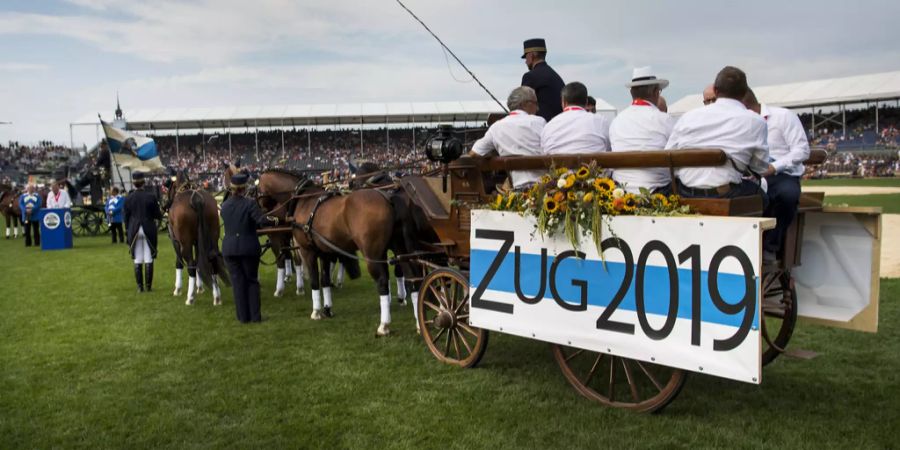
(81, 223)
(444, 319)
(779, 313)
(619, 382)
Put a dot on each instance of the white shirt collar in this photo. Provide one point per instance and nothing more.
(730, 103)
(764, 111)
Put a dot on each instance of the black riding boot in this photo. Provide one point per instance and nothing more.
(139, 277)
(148, 276)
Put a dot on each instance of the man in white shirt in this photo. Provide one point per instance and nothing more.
(728, 125)
(788, 149)
(519, 133)
(575, 130)
(642, 126)
(59, 195)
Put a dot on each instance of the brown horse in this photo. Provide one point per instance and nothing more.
(9, 207)
(329, 226)
(194, 231)
(273, 193)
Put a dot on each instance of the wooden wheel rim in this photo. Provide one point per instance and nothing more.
(779, 314)
(445, 294)
(620, 382)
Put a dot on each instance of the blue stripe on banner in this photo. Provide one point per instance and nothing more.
(147, 151)
(603, 284)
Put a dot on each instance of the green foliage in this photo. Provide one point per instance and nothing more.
(86, 362)
(889, 203)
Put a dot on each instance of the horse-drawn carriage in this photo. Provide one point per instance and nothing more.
(498, 255)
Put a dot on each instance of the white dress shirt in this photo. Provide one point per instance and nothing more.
(641, 126)
(728, 125)
(518, 134)
(59, 200)
(576, 131)
(788, 146)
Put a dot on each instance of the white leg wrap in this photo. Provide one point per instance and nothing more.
(385, 309)
(199, 284)
(415, 305)
(401, 287)
(327, 292)
(317, 300)
(299, 282)
(7, 231)
(217, 294)
(178, 282)
(339, 281)
(279, 283)
(288, 268)
(192, 284)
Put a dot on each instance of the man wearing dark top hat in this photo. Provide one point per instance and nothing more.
(240, 247)
(543, 79)
(141, 216)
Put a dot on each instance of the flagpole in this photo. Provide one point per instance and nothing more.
(111, 153)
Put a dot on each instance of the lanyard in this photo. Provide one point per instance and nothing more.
(640, 102)
(573, 108)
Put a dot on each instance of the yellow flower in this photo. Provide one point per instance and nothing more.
(589, 197)
(550, 205)
(629, 202)
(583, 173)
(510, 199)
(559, 197)
(673, 199)
(571, 196)
(561, 171)
(498, 202)
(545, 179)
(604, 185)
(660, 200)
(570, 181)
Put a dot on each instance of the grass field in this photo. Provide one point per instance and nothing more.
(86, 362)
(889, 203)
(879, 182)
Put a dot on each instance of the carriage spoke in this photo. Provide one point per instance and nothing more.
(612, 378)
(652, 379)
(463, 339)
(447, 345)
(438, 296)
(631, 383)
(590, 374)
(574, 354)
(445, 296)
(438, 336)
(462, 316)
(455, 344)
(467, 328)
(462, 302)
(431, 305)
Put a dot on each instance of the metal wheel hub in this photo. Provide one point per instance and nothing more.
(445, 319)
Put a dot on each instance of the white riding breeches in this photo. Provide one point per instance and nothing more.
(142, 248)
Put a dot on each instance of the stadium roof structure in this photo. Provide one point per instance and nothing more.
(354, 114)
(828, 92)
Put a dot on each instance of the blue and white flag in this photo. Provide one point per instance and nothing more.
(132, 150)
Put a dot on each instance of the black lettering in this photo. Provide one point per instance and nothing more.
(543, 277)
(603, 322)
(477, 302)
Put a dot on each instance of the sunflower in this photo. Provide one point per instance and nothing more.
(571, 196)
(589, 197)
(546, 179)
(673, 199)
(582, 172)
(570, 181)
(510, 199)
(550, 205)
(604, 185)
(630, 202)
(499, 201)
(561, 171)
(660, 200)
(559, 197)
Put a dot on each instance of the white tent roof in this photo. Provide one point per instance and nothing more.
(861, 88)
(300, 115)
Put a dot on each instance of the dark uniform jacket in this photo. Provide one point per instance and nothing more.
(142, 210)
(242, 217)
(548, 85)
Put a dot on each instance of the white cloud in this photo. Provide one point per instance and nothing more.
(21, 67)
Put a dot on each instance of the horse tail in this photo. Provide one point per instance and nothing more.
(205, 249)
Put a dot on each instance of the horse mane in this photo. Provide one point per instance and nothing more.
(285, 171)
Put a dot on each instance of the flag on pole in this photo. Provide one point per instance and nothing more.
(132, 150)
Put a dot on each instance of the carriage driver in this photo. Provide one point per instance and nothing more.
(240, 247)
(141, 216)
(519, 133)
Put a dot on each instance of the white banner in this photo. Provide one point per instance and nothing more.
(675, 291)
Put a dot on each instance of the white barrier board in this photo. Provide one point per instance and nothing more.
(676, 291)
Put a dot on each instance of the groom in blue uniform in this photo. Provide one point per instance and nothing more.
(30, 205)
(543, 79)
(240, 247)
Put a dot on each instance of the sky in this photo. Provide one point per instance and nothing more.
(62, 59)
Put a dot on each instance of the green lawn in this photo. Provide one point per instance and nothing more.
(881, 182)
(86, 362)
(889, 203)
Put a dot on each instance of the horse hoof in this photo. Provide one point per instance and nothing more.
(278, 293)
(327, 312)
(189, 302)
(300, 292)
(217, 302)
(383, 330)
(176, 293)
(401, 301)
(316, 315)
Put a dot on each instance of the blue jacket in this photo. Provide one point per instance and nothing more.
(32, 201)
(114, 206)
